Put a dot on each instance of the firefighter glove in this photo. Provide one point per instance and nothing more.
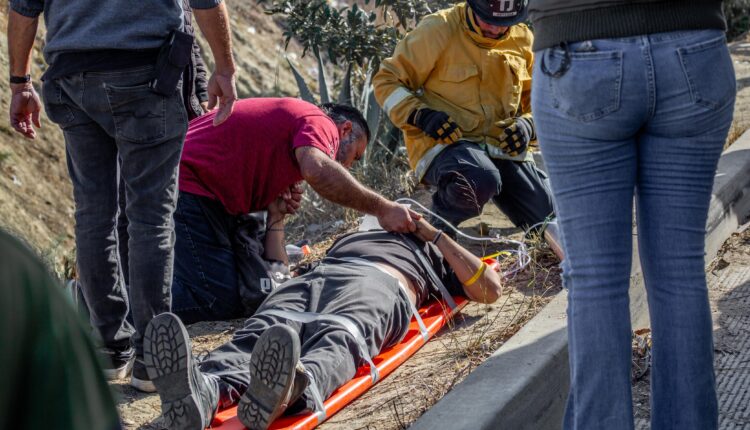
(516, 134)
(438, 125)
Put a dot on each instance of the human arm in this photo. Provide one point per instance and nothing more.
(25, 105)
(214, 24)
(287, 203)
(406, 71)
(292, 198)
(329, 179)
(514, 134)
(486, 288)
(526, 84)
(274, 246)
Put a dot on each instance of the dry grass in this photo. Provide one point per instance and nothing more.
(5, 156)
(319, 219)
(740, 125)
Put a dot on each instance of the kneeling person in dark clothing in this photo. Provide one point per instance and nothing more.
(310, 335)
(228, 174)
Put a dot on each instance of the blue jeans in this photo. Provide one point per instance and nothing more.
(105, 116)
(206, 277)
(643, 117)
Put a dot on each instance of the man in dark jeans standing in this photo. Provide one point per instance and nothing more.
(101, 89)
(195, 98)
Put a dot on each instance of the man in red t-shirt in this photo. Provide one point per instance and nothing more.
(252, 163)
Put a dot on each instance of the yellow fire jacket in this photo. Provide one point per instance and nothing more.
(446, 64)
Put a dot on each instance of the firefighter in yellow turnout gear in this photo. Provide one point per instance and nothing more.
(459, 87)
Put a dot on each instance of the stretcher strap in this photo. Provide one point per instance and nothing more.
(346, 323)
(422, 327)
(431, 273)
(320, 409)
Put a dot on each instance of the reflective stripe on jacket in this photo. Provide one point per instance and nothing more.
(446, 64)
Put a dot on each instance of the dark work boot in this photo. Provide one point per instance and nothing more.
(140, 379)
(117, 364)
(189, 399)
(273, 366)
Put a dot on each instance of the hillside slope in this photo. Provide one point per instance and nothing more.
(35, 192)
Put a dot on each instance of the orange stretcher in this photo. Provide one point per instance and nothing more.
(435, 316)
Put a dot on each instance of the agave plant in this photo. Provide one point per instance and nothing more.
(383, 168)
(737, 13)
(358, 38)
(384, 135)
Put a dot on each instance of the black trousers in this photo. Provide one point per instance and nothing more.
(371, 299)
(466, 178)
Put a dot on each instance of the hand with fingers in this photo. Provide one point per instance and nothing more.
(25, 108)
(425, 231)
(436, 124)
(395, 217)
(222, 92)
(515, 134)
(292, 199)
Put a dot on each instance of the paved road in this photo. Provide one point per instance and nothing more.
(729, 289)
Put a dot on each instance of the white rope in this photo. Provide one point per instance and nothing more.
(523, 258)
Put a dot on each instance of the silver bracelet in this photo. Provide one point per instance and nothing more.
(437, 237)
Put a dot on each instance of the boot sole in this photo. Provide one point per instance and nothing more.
(272, 365)
(168, 360)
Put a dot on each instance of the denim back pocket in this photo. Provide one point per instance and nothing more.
(139, 114)
(54, 105)
(709, 72)
(590, 88)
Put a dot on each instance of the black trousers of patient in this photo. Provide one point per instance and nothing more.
(370, 298)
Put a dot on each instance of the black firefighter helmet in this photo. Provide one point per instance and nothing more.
(500, 12)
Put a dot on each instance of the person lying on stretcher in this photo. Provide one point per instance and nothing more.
(312, 333)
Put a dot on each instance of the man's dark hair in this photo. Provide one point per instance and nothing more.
(340, 113)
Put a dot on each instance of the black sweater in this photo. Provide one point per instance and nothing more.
(557, 21)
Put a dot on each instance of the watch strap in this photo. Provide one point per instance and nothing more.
(20, 79)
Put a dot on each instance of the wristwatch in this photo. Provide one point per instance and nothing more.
(20, 79)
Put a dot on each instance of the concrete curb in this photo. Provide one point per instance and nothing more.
(524, 384)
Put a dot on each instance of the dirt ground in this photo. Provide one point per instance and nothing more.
(36, 196)
(36, 202)
(403, 396)
(445, 361)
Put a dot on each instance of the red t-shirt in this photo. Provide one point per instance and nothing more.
(247, 161)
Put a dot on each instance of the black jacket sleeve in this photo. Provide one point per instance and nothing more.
(201, 80)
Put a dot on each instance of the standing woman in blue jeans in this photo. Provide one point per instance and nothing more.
(634, 100)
